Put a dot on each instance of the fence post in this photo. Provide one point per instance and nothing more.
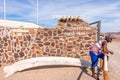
(105, 72)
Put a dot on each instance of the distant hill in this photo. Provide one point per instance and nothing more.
(115, 32)
(112, 32)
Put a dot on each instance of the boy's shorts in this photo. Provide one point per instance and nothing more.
(94, 58)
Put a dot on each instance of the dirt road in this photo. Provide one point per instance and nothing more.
(114, 62)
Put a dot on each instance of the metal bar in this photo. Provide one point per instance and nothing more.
(5, 31)
(93, 23)
(4, 9)
(98, 38)
(99, 27)
(37, 11)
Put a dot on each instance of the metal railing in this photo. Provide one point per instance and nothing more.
(105, 64)
(98, 26)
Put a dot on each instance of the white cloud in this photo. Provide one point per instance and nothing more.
(113, 27)
(106, 11)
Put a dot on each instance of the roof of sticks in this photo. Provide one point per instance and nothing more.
(70, 18)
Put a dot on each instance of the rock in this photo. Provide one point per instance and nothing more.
(60, 24)
(9, 48)
(33, 55)
(20, 37)
(38, 39)
(47, 43)
(87, 38)
(58, 51)
(28, 37)
(45, 34)
(56, 37)
(4, 39)
(87, 45)
(32, 31)
(40, 45)
(47, 49)
(59, 31)
(1, 45)
(52, 44)
(21, 54)
(16, 56)
(81, 45)
(50, 33)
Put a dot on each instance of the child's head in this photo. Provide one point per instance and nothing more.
(102, 34)
(108, 38)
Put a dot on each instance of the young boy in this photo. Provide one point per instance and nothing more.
(95, 53)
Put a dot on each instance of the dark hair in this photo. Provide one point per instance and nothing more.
(108, 37)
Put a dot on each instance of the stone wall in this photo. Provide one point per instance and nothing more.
(70, 41)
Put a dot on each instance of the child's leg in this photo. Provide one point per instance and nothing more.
(0, 64)
(93, 72)
(101, 56)
(101, 65)
(94, 60)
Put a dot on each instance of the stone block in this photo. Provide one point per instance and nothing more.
(9, 48)
(87, 38)
(20, 37)
(5, 39)
(21, 54)
(16, 56)
(32, 31)
(47, 43)
(87, 45)
(1, 45)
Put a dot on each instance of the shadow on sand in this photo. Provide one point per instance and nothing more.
(84, 70)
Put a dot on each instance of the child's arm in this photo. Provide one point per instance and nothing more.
(105, 49)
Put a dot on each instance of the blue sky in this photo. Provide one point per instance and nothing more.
(108, 11)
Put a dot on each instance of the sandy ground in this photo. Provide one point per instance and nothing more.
(70, 73)
(50, 73)
(114, 62)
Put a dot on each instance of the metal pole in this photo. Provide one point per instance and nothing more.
(98, 38)
(4, 9)
(37, 12)
(99, 26)
(5, 16)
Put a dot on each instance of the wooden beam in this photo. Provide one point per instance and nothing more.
(105, 72)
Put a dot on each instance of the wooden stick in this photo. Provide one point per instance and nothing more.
(105, 75)
(105, 72)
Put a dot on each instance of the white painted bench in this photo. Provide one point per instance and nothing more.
(43, 61)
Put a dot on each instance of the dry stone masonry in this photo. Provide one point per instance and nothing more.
(72, 37)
